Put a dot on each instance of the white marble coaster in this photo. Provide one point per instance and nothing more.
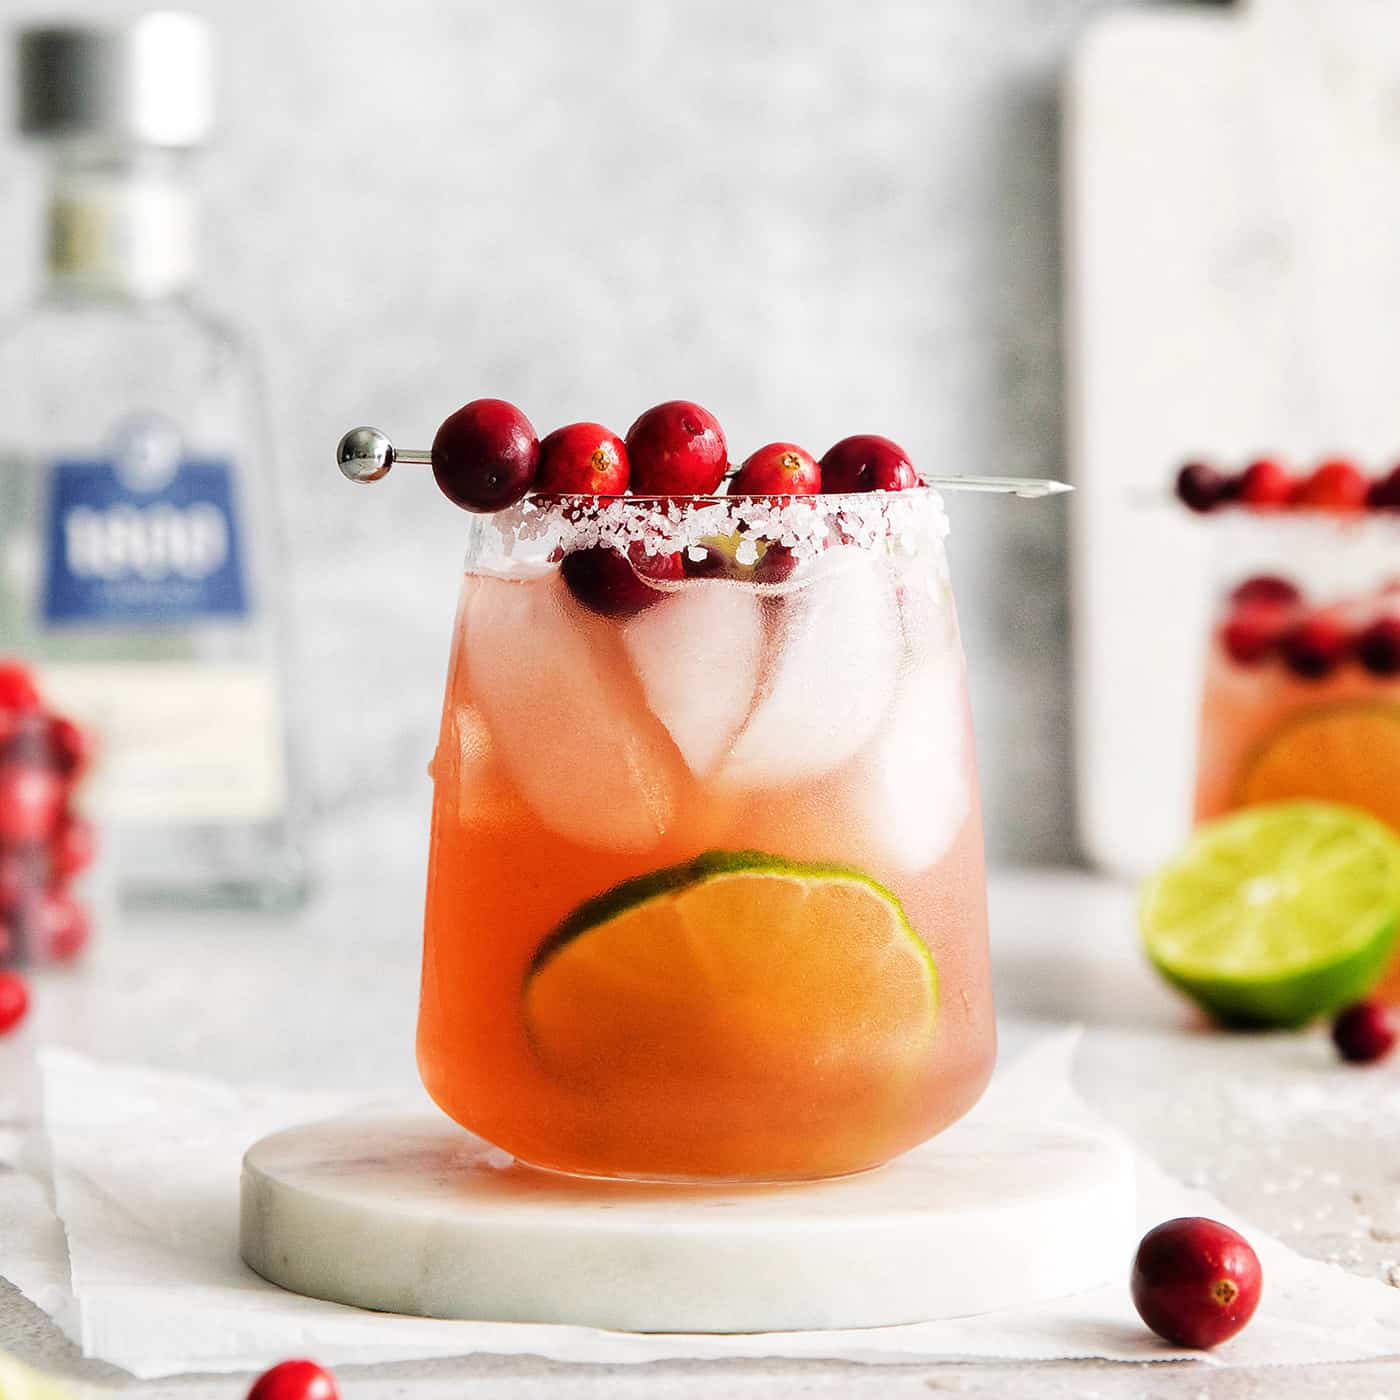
(413, 1215)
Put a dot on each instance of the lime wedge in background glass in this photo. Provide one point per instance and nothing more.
(1277, 914)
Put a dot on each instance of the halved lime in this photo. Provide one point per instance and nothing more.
(737, 975)
(1278, 913)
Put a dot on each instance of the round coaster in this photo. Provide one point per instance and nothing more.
(413, 1215)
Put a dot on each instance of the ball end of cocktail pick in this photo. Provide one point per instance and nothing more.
(364, 455)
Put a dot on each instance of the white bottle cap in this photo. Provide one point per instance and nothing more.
(149, 82)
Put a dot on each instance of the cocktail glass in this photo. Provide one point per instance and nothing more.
(706, 896)
(1302, 681)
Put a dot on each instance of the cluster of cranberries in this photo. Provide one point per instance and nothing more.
(1267, 617)
(44, 844)
(486, 457)
(1335, 485)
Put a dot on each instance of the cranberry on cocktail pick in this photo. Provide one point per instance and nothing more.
(1200, 487)
(582, 458)
(779, 469)
(483, 457)
(1265, 484)
(1384, 492)
(1335, 485)
(1196, 1282)
(867, 462)
(677, 449)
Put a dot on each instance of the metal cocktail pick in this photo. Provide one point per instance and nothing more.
(366, 454)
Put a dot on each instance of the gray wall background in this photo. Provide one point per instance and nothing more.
(814, 218)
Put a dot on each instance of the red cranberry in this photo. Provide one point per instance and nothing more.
(31, 800)
(1335, 485)
(73, 848)
(14, 1001)
(1315, 647)
(17, 688)
(70, 746)
(1195, 1281)
(584, 459)
(1264, 484)
(62, 928)
(1200, 487)
(24, 738)
(24, 871)
(776, 565)
(609, 583)
(867, 462)
(1384, 491)
(1251, 632)
(779, 469)
(1364, 1032)
(1378, 647)
(677, 449)
(1266, 588)
(295, 1380)
(485, 454)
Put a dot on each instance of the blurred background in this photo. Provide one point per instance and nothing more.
(1066, 238)
(814, 219)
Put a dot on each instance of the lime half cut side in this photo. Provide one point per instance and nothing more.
(1277, 914)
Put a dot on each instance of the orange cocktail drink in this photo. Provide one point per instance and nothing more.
(706, 897)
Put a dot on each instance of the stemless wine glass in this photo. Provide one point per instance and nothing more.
(706, 897)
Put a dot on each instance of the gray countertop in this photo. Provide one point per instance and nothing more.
(328, 1001)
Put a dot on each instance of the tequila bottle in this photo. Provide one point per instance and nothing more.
(138, 564)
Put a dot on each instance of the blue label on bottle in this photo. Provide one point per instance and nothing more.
(142, 539)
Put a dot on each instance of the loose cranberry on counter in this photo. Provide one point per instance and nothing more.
(1265, 484)
(677, 449)
(1316, 646)
(1335, 485)
(1201, 488)
(485, 455)
(1384, 492)
(1378, 647)
(14, 1001)
(867, 462)
(1266, 588)
(295, 1380)
(1196, 1282)
(582, 458)
(612, 584)
(1364, 1032)
(1253, 631)
(779, 469)
(31, 801)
